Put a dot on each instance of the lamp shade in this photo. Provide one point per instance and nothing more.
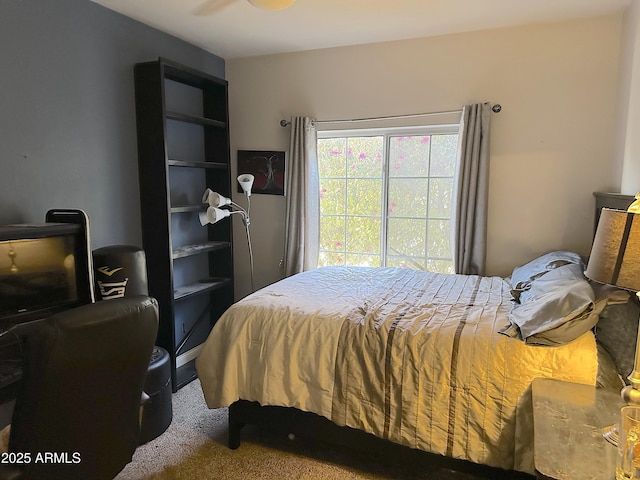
(214, 199)
(212, 215)
(246, 182)
(615, 254)
(272, 4)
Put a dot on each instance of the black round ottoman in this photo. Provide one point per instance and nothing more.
(157, 412)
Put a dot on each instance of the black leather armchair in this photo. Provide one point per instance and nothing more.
(77, 411)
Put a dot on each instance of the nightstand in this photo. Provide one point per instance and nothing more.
(568, 420)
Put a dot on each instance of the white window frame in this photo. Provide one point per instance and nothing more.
(387, 133)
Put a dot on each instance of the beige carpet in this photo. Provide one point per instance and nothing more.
(194, 447)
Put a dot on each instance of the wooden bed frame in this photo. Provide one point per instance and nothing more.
(288, 420)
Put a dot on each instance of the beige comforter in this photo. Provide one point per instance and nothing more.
(410, 356)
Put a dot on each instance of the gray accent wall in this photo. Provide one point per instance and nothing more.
(67, 111)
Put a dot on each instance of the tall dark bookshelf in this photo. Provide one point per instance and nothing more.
(183, 148)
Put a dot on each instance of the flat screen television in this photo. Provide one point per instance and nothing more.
(44, 269)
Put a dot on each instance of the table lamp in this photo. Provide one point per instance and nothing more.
(615, 260)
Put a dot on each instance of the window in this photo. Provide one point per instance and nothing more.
(386, 197)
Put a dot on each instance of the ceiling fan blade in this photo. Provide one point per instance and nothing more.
(210, 7)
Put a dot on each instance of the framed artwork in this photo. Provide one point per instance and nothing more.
(266, 166)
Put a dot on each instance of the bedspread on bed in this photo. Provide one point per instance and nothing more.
(410, 356)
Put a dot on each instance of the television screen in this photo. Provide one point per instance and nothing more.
(44, 269)
(37, 273)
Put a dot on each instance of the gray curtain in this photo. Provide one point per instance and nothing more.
(302, 222)
(471, 191)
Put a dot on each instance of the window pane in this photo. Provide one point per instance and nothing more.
(406, 237)
(365, 197)
(332, 157)
(332, 233)
(444, 150)
(408, 197)
(440, 197)
(406, 262)
(418, 173)
(364, 157)
(359, 260)
(442, 266)
(326, 259)
(438, 245)
(409, 156)
(332, 196)
(363, 235)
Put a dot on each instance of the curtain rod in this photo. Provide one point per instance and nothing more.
(495, 108)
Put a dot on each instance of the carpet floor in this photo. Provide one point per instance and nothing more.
(195, 447)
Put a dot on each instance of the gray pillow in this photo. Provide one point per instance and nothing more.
(557, 308)
(617, 331)
(524, 275)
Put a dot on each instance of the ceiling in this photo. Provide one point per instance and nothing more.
(235, 28)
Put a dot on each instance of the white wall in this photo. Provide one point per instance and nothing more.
(552, 144)
(629, 113)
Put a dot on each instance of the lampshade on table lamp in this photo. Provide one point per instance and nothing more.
(615, 260)
(272, 4)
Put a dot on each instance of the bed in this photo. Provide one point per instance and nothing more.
(434, 362)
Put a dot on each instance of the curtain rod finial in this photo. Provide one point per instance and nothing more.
(284, 123)
(497, 108)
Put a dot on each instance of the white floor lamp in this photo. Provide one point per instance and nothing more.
(216, 211)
